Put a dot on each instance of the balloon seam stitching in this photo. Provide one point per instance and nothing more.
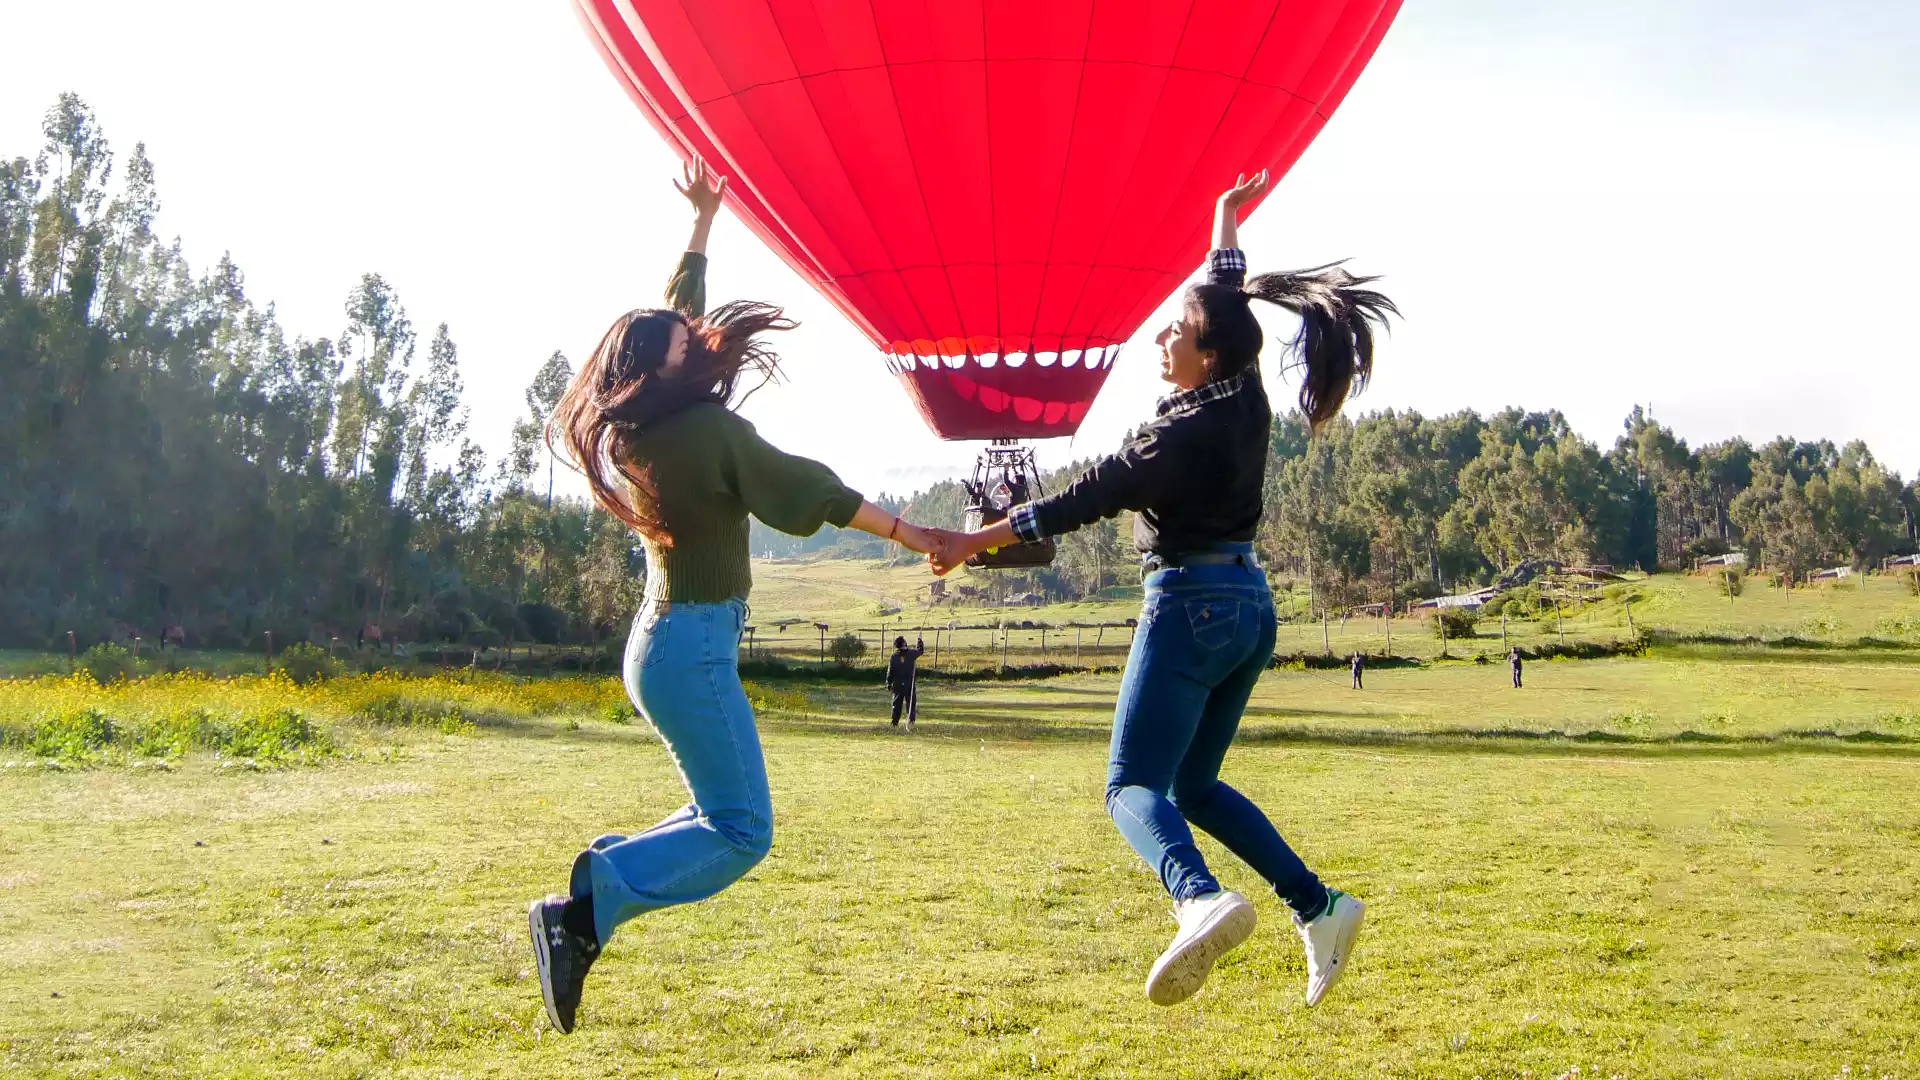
(1059, 199)
(1107, 233)
(1106, 311)
(933, 233)
(889, 65)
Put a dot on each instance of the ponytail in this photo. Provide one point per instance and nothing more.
(1335, 343)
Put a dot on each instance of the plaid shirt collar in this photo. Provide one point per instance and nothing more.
(1189, 400)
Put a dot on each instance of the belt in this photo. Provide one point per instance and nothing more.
(1202, 558)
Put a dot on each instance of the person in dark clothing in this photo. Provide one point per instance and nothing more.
(1513, 661)
(902, 675)
(1194, 476)
(1358, 665)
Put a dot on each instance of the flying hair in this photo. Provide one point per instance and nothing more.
(627, 386)
(1337, 322)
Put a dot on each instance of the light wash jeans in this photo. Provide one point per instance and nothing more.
(1205, 634)
(682, 671)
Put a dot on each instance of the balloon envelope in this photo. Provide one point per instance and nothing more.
(997, 192)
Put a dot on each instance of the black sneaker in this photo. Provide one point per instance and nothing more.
(562, 957)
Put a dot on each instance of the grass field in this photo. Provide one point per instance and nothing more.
(887, 599)
(1705, 862)
(956, 904)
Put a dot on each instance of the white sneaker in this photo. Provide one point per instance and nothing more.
(1329, 941)
(1210, 925)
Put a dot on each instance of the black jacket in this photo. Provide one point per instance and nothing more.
(1194, 474)
(901, 665)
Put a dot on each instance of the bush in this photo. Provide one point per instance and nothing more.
(274, 734)
(109, 663)
(1730, 581)
(72, 735)
(1494, 608)
(1522, 603)
(846, 648)
(305, 663)
(1454, 623)
(395, 711)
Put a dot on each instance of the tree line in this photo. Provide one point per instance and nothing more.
(171, 455)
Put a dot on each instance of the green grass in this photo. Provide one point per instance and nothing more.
(874, 596)
(957, 903)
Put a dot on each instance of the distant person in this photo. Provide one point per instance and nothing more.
(1513, 663)
(1359, 665)
(902, 679)
(648, 420)
(1194, 475)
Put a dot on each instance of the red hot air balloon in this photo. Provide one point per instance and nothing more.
(997, 192)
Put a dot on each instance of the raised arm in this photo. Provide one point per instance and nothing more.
(1226, 211)
(687, 289)
(704, 189)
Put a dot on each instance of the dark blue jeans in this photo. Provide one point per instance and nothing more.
(1206, 633)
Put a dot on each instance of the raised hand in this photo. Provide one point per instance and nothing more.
(703, 188)
(1244, 190)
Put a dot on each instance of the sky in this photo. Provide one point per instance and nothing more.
(1703, 206)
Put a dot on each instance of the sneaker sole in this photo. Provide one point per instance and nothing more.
(1346, 946)
(543, 964)
(1179, 976)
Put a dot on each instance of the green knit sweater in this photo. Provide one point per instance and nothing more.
(710, 470)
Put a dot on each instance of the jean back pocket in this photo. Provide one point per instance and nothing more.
(1215, 622)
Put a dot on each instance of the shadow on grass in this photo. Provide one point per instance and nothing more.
(997, 726)
(1875, 651)
(985, 727)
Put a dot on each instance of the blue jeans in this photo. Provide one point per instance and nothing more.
(682, 671)
(1206, 633)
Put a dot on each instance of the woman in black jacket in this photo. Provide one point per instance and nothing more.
(1194, 476)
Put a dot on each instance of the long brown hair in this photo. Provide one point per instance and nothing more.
(626, 387)
(1338, 320)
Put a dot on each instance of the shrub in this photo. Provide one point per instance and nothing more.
(846, 648)
(1495, 607)
(274, 733)
(1730, 582)
(178, 733)
(72, 735)
(305, 663)
(392, 710)
(1454, 623)
(108, 663)
(1522, 603)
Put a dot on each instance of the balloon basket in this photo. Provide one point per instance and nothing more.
(1004, 476)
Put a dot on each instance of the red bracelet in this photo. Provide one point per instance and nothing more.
(893, 533)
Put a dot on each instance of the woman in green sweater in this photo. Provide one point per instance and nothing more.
(648, 420)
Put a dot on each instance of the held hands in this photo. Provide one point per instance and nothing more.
(703, 188)
(943, 548)
(913, 537)
(952, 549)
